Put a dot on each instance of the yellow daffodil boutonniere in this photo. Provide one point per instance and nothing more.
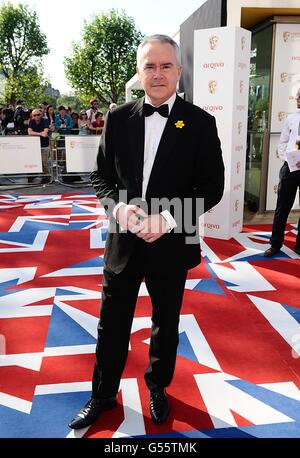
(179, 124)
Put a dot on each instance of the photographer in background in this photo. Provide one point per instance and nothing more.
(8, 124)
(21, 118)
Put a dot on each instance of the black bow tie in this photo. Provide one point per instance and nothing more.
(163, 110)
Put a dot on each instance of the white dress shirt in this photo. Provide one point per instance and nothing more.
(289, 134)
(154, 127)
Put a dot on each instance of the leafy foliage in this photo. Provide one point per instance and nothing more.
(72, 101)
(23, 45)
(29, 86)
(105, 59)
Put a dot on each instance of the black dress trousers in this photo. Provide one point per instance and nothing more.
(289, 183)
(119, 296)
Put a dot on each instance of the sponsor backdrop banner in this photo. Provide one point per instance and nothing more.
(81, 152)
(286, 81)
(221, 82)
(274, 165)
(20, 155)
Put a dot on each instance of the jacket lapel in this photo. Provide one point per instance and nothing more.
(136, 132)
(170, 136)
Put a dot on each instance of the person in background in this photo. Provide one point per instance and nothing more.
(27, 118)
(8, 124)
(91, 112)
(63, 125)
(50, 115)
(43, 107)
(63, 121)
(112, 106)
(97, 126)
(289, 182)
(39, 127)
(75, 118)
(21, 115)
(83, 123)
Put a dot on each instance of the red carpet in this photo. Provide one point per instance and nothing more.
(238, 365)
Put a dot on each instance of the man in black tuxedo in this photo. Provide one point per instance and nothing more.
(158, 161)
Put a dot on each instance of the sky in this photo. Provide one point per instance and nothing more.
(62, 22)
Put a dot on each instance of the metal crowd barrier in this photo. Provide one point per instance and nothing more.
(60, 174)
(54, 167)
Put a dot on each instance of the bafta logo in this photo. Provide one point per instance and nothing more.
(236, 205)
(238, 167)
(275, 188)
(212, 86)
(283, 77)
(286, 36)
(240, 127)
(243, 42)
(241, 86)
(281, 115)
(213, 42)
(277, 154)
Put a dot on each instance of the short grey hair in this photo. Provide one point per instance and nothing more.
(164, 39)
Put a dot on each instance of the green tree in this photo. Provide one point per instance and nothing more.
(23, 45)
(105, 59)
(29, 86)
(72, 101)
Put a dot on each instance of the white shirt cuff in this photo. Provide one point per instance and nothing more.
(116, 208)
(171, 223)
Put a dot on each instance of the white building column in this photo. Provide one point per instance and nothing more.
(221, 85)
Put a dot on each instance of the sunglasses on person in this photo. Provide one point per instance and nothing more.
(36, 115)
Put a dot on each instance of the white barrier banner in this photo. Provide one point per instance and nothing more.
(20, 155)
(81, 152)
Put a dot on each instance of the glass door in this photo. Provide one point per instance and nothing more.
(259, 97)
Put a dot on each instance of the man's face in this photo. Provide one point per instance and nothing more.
(36, 116)
(158, 71)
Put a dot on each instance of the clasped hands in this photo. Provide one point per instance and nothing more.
(147, 227)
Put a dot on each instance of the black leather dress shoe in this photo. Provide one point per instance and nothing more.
(159, 405)
(297, 250)
(91, 411)
(271, 252)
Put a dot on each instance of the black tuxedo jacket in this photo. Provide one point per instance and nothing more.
(188, 165)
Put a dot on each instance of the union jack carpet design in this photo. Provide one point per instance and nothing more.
(238, 364)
